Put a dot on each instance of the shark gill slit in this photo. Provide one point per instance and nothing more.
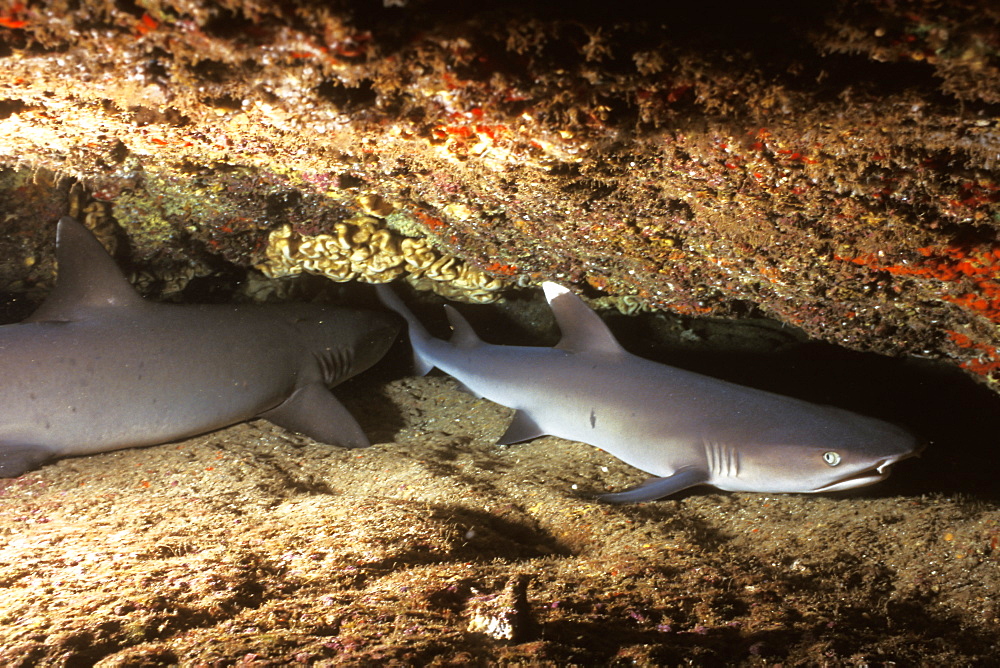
(723, 460)
(334, 363)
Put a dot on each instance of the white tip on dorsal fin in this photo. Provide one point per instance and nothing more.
(463, 335)
(88, 278)
(582, 329)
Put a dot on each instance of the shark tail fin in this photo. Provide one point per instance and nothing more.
(419, 335)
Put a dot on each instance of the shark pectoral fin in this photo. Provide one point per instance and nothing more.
(16, 459)
(657, 488)
(521, 428)
(314, 412)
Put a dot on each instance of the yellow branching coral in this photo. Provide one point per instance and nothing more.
(362, 248)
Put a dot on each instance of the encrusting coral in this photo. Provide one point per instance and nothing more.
(363, 248)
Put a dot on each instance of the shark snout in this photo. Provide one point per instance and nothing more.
(876, 472)
(373, 337)
(883, 466)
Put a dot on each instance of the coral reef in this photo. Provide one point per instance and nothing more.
(793, 161)
(363, 248)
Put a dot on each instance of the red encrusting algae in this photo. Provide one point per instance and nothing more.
(986, 364)
(976, 267)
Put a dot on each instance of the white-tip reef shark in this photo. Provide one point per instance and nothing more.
(685, 428)
(99, 368)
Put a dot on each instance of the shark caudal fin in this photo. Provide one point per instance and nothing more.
(419, 336)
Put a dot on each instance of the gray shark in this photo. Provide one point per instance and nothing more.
(685, 428)
(98, 368)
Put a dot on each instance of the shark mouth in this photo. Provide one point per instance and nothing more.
(864, 477)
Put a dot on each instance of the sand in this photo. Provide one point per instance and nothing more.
(254, 546)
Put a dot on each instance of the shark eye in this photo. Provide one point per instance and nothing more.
(832, 458)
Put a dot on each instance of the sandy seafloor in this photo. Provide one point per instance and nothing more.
(253, 546)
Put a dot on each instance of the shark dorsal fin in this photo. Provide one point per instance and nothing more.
(582, 329)
(88, 278)
(462, 334)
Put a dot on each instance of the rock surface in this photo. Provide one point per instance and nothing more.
(832, 166)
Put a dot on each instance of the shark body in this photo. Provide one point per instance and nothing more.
(98, 368)
(685, 428)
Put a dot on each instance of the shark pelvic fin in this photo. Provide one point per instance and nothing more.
(521, 428)
(582, 329)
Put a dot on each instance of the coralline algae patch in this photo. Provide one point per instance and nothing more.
(968, 277)
(363, 248)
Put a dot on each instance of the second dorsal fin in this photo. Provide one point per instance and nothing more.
(462, 334)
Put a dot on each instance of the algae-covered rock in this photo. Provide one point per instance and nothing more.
(832, 166)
